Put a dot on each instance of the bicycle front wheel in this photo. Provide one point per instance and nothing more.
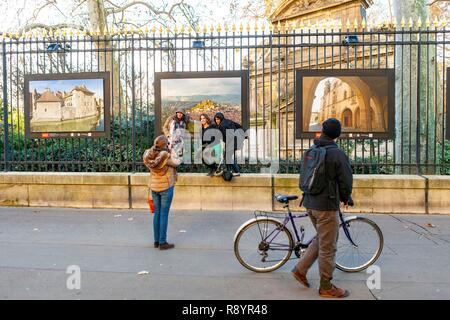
(368, 244)
(263, 245)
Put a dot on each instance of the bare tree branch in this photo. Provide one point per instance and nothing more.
(79, 5)
(155, 11)
(38, 10)
(33, 26)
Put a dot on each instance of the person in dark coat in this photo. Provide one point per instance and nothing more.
(323, 209)
(223, 125)
(208, 125)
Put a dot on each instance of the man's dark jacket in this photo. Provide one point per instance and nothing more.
(226, 124)
(340, 177)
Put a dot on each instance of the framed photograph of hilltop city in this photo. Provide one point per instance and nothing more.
(194, 93)
(67, 105)
(363, 100)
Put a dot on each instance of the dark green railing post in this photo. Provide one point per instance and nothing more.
(5, 108)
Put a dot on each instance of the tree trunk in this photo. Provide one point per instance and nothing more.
(97, 18)
(411, 92)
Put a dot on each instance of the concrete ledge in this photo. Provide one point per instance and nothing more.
(438, 194)
(66, 178)
(372, 193)
(200, 192)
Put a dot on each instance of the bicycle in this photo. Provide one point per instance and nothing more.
(274, 244)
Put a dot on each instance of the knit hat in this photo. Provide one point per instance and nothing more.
(161, 142)
(331, 128)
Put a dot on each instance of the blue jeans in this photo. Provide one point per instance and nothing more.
(162, 201)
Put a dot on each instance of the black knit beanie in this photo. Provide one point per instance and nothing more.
(331, 128)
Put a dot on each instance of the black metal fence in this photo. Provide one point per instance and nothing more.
(419, 56)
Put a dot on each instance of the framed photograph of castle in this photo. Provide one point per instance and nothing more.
(67, 105)
(194, 93)
(363, 100)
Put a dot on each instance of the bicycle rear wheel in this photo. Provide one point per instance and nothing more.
(369, 242)
(263, 245)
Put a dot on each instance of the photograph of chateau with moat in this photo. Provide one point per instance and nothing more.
(73, 105)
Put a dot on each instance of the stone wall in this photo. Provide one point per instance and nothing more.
(372, 193)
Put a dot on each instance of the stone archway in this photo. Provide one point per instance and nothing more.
(361, 89)
(357, 122)
(347, 118)
(373, 119)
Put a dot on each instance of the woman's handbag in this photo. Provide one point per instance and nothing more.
(151, 205)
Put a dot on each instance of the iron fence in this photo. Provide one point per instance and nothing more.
(419, 57)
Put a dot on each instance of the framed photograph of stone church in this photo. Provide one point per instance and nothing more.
(363, 100)
(67, 105)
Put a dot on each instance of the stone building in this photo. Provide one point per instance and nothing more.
(46, 106)
(355, 103)
(273, 71)
(79, 103)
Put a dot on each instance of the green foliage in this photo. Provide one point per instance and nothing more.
(373, 165)
(444, 158)
(113, 154)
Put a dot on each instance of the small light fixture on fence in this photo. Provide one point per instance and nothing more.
(58, 47)
(198, 44)
(350, 40)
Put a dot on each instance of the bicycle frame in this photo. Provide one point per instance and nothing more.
(291, 217)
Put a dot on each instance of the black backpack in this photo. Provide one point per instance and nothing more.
(227, 175)
(313, 179)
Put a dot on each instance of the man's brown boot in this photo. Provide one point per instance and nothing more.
(300, 278)
(334, 292)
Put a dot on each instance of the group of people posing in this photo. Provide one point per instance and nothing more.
(174, 128)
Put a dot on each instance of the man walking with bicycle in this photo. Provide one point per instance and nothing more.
(326, 181)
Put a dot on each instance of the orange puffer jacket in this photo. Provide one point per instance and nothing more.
(162, 166)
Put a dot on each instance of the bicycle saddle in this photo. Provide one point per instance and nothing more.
(285, 198)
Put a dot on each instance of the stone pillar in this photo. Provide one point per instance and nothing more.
(364, 105)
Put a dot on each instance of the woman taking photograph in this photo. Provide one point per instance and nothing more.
(162, 164)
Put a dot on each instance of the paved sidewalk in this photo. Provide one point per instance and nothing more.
(112, 246)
